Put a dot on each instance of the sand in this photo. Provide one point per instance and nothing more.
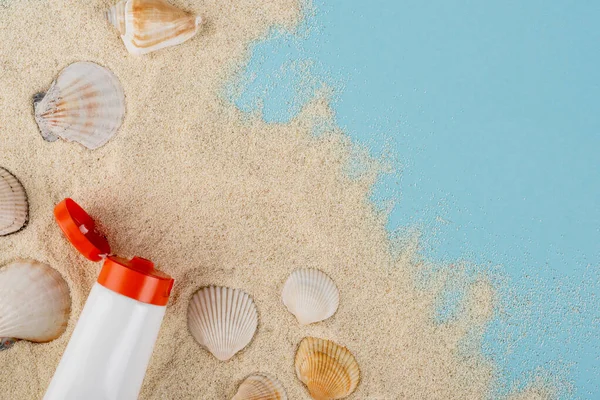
(216, 196)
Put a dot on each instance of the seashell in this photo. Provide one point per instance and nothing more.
(14, 209)
(223, 320)
(328, 370)
(310, 295)
(34, 303)
(85, 104)
(260, 387)
(149, 25)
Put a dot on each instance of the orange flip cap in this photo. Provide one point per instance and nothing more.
(80, 229)
(135, 278)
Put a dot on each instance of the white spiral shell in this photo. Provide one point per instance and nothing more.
(149, 25)
(35, 302)
(223, 320)
(85, 104)
(310, 295)
(14, 209)
(260, 387)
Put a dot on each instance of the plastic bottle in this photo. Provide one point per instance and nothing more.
(111, 346)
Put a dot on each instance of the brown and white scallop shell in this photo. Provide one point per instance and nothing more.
(35, 303)
(85, 104)
(222, 319)
(14, 209)
(149, 25)
(260, 387)
(328, 370)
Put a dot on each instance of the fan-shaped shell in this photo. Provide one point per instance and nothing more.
(149, 25)
(14, 209)
(85, 104)
(222, 319)
(260, 387)
(34, 302)
(310, 295)
(328, 370)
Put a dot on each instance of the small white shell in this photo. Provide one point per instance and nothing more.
(34, 302)
(310, 295)
(222, 319)
(14, 209)
(149, 25)
(85, 104)
(260, 387)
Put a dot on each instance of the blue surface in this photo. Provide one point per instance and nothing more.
(491, 111)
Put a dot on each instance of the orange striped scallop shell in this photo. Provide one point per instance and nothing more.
(328, 370)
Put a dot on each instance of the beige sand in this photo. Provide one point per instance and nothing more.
(214, 196)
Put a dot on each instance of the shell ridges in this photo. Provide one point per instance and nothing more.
(310, 295)
(35, 302)
(14, 208)
(328, 370)
(85, 104)
(222, 319)
(260, 387)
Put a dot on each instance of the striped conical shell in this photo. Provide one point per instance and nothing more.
(328, 370)
(149, 25)
(34, 302)
(85, 104)
(260, 387)
(14, 209)
(310, 295)
(222, 319)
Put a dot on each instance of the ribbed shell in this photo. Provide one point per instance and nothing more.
(149, 25)
(222, 319)
(85, 104)
(328, 370)
(14, 209)
(35, 302)
(310, 295)
(260, 387)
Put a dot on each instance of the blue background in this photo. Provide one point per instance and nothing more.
(490, 111)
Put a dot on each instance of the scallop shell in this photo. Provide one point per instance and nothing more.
(328, 370)
(310, 295)
(222, 319)
(149, 25)
(85, 104)
(260, 387)
(14, 209)
(34, 303)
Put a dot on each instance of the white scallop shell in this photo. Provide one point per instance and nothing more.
(34, 302)
(310, 295)
(222, 319)
(260, 387)
(14, 209)
(149, 25)
(85, 104)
